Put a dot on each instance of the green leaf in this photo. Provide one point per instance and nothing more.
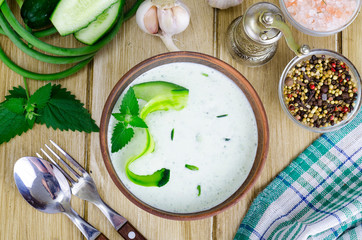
(129, 103)
(11, 124)
(16, 92)
(41, 96)
(120, 117)
(31, 122)
(137, 122)
(63, 111)
(16, 105)
(134, 121)
(121, 137)
(191, 167)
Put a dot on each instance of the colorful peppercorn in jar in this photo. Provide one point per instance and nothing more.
(320, 91)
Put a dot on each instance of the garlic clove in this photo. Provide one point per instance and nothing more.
(224, 4)
(183, 17)
(147, 8)
(173, 20)
(151, 21)
(163, 18)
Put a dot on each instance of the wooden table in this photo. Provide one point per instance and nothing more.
(206, 34)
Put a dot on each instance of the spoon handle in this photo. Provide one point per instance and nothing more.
(101, 237)
(88, 230)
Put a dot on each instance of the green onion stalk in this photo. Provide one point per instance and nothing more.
(25, 40)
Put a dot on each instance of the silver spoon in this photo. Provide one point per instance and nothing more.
(45, 188)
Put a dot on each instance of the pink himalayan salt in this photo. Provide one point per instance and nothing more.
(321, 15)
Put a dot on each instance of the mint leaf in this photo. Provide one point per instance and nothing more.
(129, 103)
(16, 105)
(16, 92)
(11, 124)
(134, 121)
(63, 111)
(120, 137)
(137, 122)
(120, 117)
(41, 96)
(128, 115)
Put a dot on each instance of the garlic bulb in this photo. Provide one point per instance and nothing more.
(223, 4)
(163, 18)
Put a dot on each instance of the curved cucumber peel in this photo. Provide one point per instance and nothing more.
(158, 178)
(162, 96)
(175, 100)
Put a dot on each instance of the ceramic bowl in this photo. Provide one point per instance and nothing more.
(238, 79)
(354, 77)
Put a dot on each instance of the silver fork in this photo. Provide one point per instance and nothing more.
(85, 188)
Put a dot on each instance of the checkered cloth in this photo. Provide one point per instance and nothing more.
(318, 196)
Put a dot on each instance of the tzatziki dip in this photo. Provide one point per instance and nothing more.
(216, 132)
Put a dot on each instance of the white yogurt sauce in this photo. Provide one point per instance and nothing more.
(200, 139)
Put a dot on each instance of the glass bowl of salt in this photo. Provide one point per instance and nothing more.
(320, 17)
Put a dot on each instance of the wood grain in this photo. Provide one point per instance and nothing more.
(92, 85)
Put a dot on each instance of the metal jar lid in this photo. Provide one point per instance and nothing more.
(255, 29)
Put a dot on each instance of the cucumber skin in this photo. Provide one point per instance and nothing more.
(148, 90)
(109, 27)
(36, 13)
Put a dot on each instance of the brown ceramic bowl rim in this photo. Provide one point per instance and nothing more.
(239, 80)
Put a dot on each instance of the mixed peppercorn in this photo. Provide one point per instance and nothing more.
(320, 92)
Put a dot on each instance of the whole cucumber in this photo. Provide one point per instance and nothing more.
(36, 13)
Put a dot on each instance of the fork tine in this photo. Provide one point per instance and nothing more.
(75, 163)
(56, 164)
(63, 162)
(39, 156)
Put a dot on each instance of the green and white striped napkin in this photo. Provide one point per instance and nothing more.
(318, 196)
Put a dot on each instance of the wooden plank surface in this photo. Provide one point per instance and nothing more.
(92, 85)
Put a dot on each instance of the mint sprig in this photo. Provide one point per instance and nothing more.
(128, 116)
(63, 111)
(51, 105)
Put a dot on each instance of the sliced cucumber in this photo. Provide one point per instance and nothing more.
(96, 29)
(72, 15)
